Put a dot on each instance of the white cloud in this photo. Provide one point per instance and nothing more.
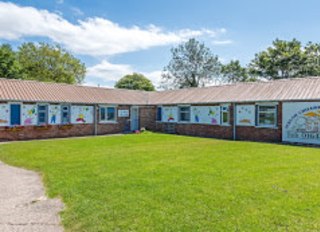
(92, 36)
(106, 72)
(222, 42)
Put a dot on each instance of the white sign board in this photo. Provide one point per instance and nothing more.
(301, 122)
(81, 114)
(205, 115)
(123, 113)
(4, 115)
(169, 114)
(54, 114)
(245, 115)
(29, 115)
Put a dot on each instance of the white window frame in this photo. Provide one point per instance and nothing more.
(69, 114)
(221, 114)
(179, 113)
(47, 114)
(275, 112)
(106, 114)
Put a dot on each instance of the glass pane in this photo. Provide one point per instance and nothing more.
(111, 114)
(267, 119)
(42, 108)
(65, 117)
(42, 117)
(159, 114)
(225, 117)
(103, 114)
(267, 108)
(184, 109)
(184, 116)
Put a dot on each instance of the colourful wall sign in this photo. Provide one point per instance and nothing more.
(4, 115)
(301, 122)
(81, 114)
(245, 115)
(169, 114)
(54, 114)
(205, 115)
(29, 115)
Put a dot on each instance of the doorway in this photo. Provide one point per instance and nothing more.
(134, 118)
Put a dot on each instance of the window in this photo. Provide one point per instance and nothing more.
(184, 113)
(159, 114)
(42, 114)
(108, 114)
(267, 115)
(15, 114)
(225, 115)
(65, 114)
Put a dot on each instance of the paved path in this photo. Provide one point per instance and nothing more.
(23, 204)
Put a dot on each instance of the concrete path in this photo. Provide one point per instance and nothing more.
(23, 204)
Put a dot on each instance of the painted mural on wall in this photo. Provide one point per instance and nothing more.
(4, 114)
(301, 122)
(29, 115)
(169, 114)
(245, 115)
(205, 114)
(54, 114)
(81, 114)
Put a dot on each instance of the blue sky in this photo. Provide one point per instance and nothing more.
(115, 37)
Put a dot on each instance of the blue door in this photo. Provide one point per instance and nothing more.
(15, 114)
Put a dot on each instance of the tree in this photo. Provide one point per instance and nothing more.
(192, 65)
(9, 67)
(312, 60)
(233, 72)
(284, 59)
(135, 81)
(50, 63)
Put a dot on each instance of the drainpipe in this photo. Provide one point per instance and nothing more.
(234, 121)
(95, 119)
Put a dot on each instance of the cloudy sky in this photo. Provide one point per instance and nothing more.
(117, 37)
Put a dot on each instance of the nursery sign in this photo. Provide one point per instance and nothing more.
(123, 113)
(301, 122)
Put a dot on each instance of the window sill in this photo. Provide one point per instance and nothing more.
(267, 127)
(108, 122)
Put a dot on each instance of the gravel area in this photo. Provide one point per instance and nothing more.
(23, 203)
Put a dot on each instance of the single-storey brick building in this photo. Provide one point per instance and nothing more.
(275, 111)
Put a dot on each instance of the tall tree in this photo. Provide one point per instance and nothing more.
(312, 60)
(9, 67)
(51, 63)
(234, 72)
(135, 81)
(284, 59)
(192, 65)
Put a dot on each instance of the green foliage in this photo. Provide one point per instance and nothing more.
(234, 72)
(287, 59)
(135, 81)
(50, 63)
(157, 182)
(9, 67)
(192, 65)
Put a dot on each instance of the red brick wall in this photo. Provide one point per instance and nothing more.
(148, 117)
(262, 134)
(57, 131)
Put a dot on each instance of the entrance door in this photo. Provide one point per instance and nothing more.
(15, 110)
(134, 118)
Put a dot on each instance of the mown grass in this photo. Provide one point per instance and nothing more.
(157, 182)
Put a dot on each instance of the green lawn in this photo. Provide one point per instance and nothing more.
(156, 182)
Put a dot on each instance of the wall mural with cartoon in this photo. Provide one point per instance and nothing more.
(205, 114)
(81, 114)
(169, 114)
(245, 115)
(54, 114)
(301, 122)
(4, 114)
(29, 115)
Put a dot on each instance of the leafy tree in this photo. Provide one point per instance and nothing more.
(46, 62)
(284, 59)
(312, 60)
(9, 67)
(192, 65)
(234, 72)
(135, 81)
